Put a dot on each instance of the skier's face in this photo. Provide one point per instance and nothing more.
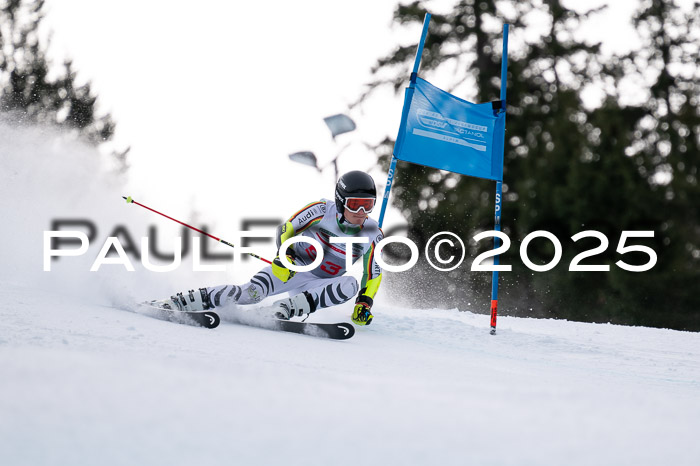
(356, 218)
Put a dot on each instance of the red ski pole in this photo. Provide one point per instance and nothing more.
(129, 200)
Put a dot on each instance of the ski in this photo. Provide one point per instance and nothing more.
(339, 331)
(210, 319)
(207, 319)
(261, 318)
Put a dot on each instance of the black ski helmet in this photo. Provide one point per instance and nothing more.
(353, 184)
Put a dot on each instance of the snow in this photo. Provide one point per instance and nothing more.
(84, 380)
(87, 384)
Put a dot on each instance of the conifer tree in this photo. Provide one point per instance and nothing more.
(33, 90)
(568, 168)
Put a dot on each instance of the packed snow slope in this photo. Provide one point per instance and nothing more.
(87, 384)
(86, 381)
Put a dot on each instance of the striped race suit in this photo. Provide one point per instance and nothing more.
(327, 283)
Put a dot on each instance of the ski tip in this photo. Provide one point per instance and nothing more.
(347, 330)
(210, 319)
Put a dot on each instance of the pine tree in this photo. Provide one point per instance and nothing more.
(665, 146)
(568, 168)
(32, 91)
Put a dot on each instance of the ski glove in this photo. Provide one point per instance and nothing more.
(282, 272)
(361, 315)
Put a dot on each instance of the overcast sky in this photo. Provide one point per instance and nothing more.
(213, 98)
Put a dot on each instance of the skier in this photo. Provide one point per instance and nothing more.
(326, 285)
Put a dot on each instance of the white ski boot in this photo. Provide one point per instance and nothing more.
(296, 306)
(192, 301)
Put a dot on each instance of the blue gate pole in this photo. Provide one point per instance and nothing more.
(499, 187)
(387, 190)
(404, 116)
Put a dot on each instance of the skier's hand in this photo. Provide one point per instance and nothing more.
(361, 315)
(282, 272)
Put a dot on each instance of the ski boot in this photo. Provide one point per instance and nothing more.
(192, 301)
(296, 306)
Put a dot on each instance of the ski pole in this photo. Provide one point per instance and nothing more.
(129, 200)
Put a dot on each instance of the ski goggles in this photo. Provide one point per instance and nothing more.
(354, 204)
